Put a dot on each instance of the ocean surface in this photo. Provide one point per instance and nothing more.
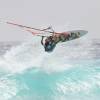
(70, 72)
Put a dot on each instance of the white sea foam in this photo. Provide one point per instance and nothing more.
(32, 55)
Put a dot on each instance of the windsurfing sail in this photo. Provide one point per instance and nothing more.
(22, 26)
(44, 32)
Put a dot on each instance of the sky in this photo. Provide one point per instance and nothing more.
(63, 15)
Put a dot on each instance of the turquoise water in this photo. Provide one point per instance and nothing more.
(71, 72)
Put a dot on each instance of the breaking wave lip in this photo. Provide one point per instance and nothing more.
(32, 55)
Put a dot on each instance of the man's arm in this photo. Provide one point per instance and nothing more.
(42, 40)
